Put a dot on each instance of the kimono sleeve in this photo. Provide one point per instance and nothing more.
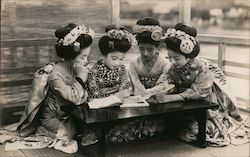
(125, 86)
(73, 93)
(202, 86)
(136, 83)
(164, 78)
(94, 89)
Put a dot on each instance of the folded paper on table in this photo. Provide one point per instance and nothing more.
(105, 102)
(134, 104)
(134, 101)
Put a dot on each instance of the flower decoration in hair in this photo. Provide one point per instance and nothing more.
(120, 34)
(143, 28)
(187, 42)
(156, 31)
(71, 37)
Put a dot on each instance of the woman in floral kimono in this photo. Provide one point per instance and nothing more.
(196, 78)
(64, 85)
(109, 78)
(150, 65)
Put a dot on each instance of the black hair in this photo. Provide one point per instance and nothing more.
(108, 45)
(68, 52)
(174, 43)
(145, 37)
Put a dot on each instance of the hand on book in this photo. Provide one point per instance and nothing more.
(134, 101)
(109, 101)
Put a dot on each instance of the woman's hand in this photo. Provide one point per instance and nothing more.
(80, 70)
(123, 94)
(164, 98)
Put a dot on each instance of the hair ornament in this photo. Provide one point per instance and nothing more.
(120, 34)
(71, 37)
(116, 34)
(143, 28)
(187, 42)
(156, 35)
(77, 46)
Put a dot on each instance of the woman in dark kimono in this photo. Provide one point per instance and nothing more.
(109, 78)
(196, 78)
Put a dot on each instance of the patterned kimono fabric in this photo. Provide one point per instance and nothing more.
(143, 79)
(147, 78)
(196, 80)
(103, 82)
(63, 90)
(53, 86)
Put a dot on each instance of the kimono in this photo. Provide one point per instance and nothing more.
(202, 79)
(51, 90)
(63, 90)
(43, 121)
(103, 82)
(29, 121)
(143, 79)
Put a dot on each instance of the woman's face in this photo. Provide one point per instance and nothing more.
(113, 59)
(176, 59)
(147, 50)
(83, 56)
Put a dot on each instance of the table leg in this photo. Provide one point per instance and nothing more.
(101, 149)
(201, 117)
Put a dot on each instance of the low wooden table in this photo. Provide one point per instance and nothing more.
(104, 118)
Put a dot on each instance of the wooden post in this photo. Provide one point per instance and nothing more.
(185, 11)
(115, 11)
(221, 55)
(8, 15)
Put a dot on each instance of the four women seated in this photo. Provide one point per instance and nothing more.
(72, 82)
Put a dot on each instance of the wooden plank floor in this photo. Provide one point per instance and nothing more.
(47, 152)
(155, 147)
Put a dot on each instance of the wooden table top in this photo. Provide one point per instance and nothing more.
(93, 116)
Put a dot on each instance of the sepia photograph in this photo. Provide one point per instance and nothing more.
(125, 78)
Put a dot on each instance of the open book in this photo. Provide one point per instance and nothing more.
(105, 102)
(132, 101)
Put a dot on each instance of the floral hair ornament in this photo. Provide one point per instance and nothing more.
(187, 42)
(156, 31)
(120, 34)
(156, 35)
(143, 28)
(71, 37)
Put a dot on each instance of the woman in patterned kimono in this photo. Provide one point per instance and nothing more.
(150, 65)
(196, 78)
(65, 87)
(108, 77)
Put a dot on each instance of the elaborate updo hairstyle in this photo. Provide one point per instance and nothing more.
(181, 39)
(148, 31)
(115, 39)
(71, 39)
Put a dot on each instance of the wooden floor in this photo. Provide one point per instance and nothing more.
(156, 147)
(47, 152)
